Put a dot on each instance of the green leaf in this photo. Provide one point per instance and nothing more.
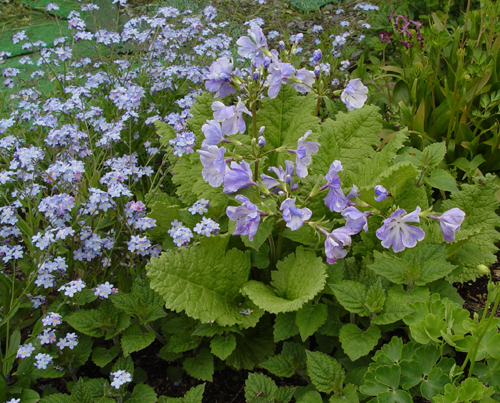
(310, 397)
(352, 296)
(310, 318)
(280, 365)
(29, 396)
(165, 131)
(223, 346)
(134, 340)
(284, 394)
(81, 393)
(388, 375)
(349, 395)
(286, 118)
(263, 232)
(351, 138)
(285, 326)
(253, 346)
(441, 179)
(200, 367)
(478, 231)
(325, 372)
(428, 329)
(86, 322)
(204, 281)
(57, 398)
(195, 394)
(82, 350)
(259, 386)
(124, 364)
(103, 356)
(299, 278)
(375, 298)
(395, 396)
(433, 155)
(357, 343)
(143, 394)
(397, 304)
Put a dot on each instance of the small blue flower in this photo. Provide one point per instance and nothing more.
(396, 231)
(247, 216)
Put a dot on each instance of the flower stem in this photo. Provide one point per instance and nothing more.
(279, 244)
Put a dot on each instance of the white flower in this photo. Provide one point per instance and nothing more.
(354, 95)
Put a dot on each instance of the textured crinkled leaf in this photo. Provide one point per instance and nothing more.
(165, 131)
(441, 179)
(310, 318)
(351, 138)
(103, 356)
(285, 326)
(280, 365)
(204, 281)
(368, 175)
(82, 351)
(352, 296)
(259, 385)
(286, 118)
(375, 297)
(57, 398)
(200, 367)
(479, 227)
(81, 392)
(143, 394)
(195, 394)
(134, 340)
(223, 346)
(284, 394)
(299, 278)
(397, 304)
(310, 397)
(201, 111)
(355, 342)
(125, 364)
(325, 372)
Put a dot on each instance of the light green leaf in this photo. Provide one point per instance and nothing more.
(223, 346)
(143, 394)
(86, 322)
(299, 278)
(263, 232)
(351, 138)
(395, 396)
(204, 281)
(200, 367)
(29, 396)
(310, 318)
(195, 394)
(433, 154)
(325, 372)
(124, 364)
(478, 231)
(57, 398)
(357, 343)
(259, 386)
(310, 397)
(280, 365)
(284, 394)
(134, 340)
(165, 131)
(352, 296)
(286, 118)
(441, 179)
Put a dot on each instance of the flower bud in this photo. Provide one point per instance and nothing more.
(261, 141)
(317, 71)
(282, 45)
(255, 75)
(482, 269)
(317, 55)
(299, 37)
(261, 130)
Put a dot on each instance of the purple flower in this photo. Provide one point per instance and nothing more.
(397, 233)
(303, 154)
(279, 73)
(237, 177)
(213, 133)
(219, 78)
(261, 141)
(251, 47)
(354, 95)
(214, 166)
(450, 222)
(293, 216)
(307, 80)
(335, 199)
(335, 243)
(385, 37)
(248, 217)
(381, 193)
(231, 116)
(285, 176)
(317, 55)
(355, 220)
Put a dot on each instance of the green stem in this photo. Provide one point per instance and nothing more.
(279, 246)
(318, 103)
